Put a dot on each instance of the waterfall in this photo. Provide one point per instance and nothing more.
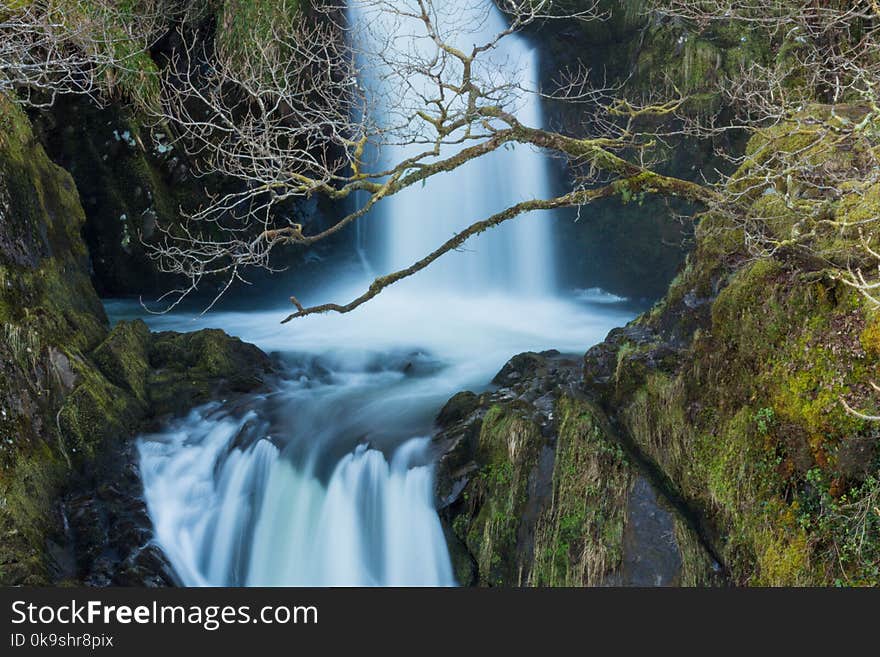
(516, 257)
(328, 479)
(243, 516)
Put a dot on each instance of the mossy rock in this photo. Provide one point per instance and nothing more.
(547, 504)
(507, 453)
(124, 357)
(97, 410)
(73, 395)
(578, 539)
(528, 363)
(55, 407)
(746, 422)
(457, 408)
(194, 368)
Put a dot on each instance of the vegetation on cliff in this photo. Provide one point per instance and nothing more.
(747, 396)
(72, 393)
(736, 393)
(50, 317)
(734, 385)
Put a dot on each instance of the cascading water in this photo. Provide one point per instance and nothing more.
(516, 257)
(328, 480)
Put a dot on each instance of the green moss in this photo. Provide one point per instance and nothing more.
(45, 285)
(578, 540)
(697, 566)
(784, 562)
(56, 300)
(28, 487)
(49, 317)
(861, 206)
(508, 447)
(692, 61)
(243, 27)
(188, 367)
(96, 411)
(124, 357)
(494, 501)
(733, 313)
(750, 427)
(870, 337)
(133, 74)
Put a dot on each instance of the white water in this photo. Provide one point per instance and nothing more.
(514, 257)
(328, 480)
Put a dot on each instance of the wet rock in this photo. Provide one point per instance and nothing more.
(458, 408)
(123, 357)
(62, 367)
(188, 369)
(535, 488)
(117, 178)
(109, 529)
(651, 556)
(521, 365)
(856, 456)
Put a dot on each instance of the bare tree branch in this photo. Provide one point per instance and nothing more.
(51, 47)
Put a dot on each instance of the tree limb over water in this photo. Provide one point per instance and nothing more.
(645, 181)
(308, 104)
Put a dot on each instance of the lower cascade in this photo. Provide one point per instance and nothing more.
(328, 479)
(369, 522)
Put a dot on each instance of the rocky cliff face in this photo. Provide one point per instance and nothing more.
(130, 181)
(73, 393)
(733, 386)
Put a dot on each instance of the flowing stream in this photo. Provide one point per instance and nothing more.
(328, 479)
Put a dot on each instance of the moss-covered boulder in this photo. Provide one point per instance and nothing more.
(535, 489)
(459, 406)
(123, 357)
(193, 368)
